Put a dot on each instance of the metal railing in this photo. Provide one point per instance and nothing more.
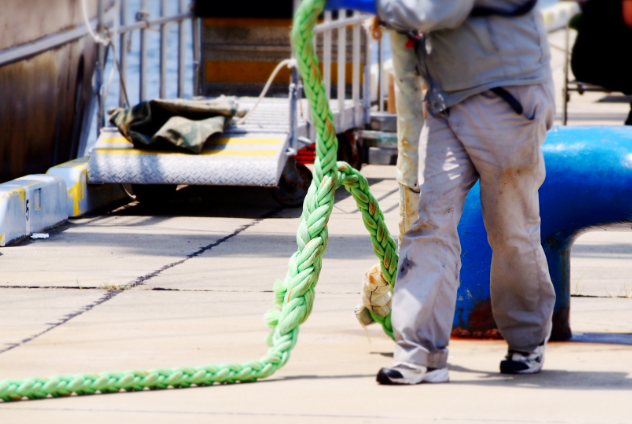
(360, 92)
(112, 30)
(119, 34)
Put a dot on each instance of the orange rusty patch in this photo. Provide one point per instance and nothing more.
(330, 126)
(462, 333)
(288, 295)
(482, 318)
(315, 70)
(371, 208)
(385, 264)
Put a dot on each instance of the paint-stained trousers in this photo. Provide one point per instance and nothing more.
(479, 138)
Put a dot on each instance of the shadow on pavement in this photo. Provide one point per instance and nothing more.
(249, 243)
(549, 379)
(602, 338)
(218, 201)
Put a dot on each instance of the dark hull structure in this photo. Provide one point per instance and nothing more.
(46, 100)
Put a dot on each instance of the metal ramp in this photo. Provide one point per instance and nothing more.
(273, 114)
(231, 159)
(250, 154)
(238, 56)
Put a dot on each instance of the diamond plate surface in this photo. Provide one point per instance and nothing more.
(195, 170)
(109, 163)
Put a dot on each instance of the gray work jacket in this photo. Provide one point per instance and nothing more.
(459, 55)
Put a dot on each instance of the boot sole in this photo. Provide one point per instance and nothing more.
(507, 367)
(436, 376)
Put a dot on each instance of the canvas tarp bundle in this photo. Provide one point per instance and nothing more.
(183, 123)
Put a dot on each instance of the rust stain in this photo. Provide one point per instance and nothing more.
(462, 333)
(329, 125)
(561, 328)
(385, 263)
(44, 100)
(553, 242)
(315, 70)
(371, 208)
(481, 318)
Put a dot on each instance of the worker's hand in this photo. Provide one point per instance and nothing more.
(367, 6)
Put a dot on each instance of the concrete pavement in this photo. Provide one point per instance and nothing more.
(209, 309)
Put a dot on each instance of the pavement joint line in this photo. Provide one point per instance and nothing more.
(65, 319)
(305, 415)
(127, 287)
(139, 281)
(170, 289)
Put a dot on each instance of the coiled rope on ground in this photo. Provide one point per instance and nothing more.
(294, 296)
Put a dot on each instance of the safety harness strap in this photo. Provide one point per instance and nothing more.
(509, 98)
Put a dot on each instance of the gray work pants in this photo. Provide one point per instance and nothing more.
(479, 138)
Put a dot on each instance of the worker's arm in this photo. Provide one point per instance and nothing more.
(627, 12)
(412, 15)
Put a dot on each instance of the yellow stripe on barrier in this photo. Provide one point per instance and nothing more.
(218, 152)
(114, 140)
(243, 141)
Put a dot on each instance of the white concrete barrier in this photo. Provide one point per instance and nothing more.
(84, 197)
(29, 205)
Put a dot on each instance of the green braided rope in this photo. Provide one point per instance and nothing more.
(295, 294)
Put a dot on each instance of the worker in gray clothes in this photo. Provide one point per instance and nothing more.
(490, 102)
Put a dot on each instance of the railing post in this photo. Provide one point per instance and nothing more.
(380, 75)
(181, 47)
(293, 109)
(342, 59)
(355, 90)
(124, 37)
(142, 15)
(163, 51)
(367, 78)
(327, 56)
(99, 69)
(197, 66)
